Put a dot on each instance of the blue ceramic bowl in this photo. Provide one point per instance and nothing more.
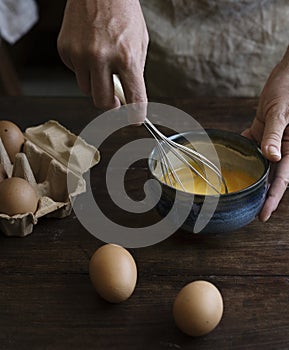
(217, 213)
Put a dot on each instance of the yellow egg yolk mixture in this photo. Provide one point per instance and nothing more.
(236, 180)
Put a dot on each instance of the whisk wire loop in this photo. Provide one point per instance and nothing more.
(177, 149)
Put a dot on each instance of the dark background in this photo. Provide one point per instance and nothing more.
(38, 47)
(36, 68)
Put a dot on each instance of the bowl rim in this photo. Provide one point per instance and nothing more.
(224, 195)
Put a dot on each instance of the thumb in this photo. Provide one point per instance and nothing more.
(273, 132)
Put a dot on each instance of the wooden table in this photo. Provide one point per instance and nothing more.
(47, 301)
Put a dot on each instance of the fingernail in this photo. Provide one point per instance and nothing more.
(266, 218)
(274, 151)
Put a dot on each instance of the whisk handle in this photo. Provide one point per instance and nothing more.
(118, 90)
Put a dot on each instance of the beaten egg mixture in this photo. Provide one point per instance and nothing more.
(235, 179)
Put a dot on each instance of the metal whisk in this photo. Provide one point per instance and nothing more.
(187, 155)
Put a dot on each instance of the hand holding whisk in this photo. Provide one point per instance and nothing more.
(189, 157)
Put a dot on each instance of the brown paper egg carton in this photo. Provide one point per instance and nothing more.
(45, 163)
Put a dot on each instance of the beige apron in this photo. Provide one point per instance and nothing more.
(213, 47)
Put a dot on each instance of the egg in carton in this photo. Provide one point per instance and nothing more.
(46, 161)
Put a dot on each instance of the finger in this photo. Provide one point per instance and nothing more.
(275, 194)
(102, 89)
(273, 132)
(66, 60)
(82, 75)
(276, 190)
(83, 80)
(247, 133)
(64, 53)
(136, 96)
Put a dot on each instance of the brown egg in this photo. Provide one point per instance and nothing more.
(12, 138)
(113, 273)
(198, 308)
(17, 196)
(3, 174)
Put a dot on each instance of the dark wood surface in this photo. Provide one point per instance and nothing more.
(47, 301)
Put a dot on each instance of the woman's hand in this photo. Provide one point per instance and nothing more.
(270, 129)
(99, 38)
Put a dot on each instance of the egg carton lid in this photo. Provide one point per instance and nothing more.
(64, 146)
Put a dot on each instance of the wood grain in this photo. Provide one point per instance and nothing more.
(47, 301)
